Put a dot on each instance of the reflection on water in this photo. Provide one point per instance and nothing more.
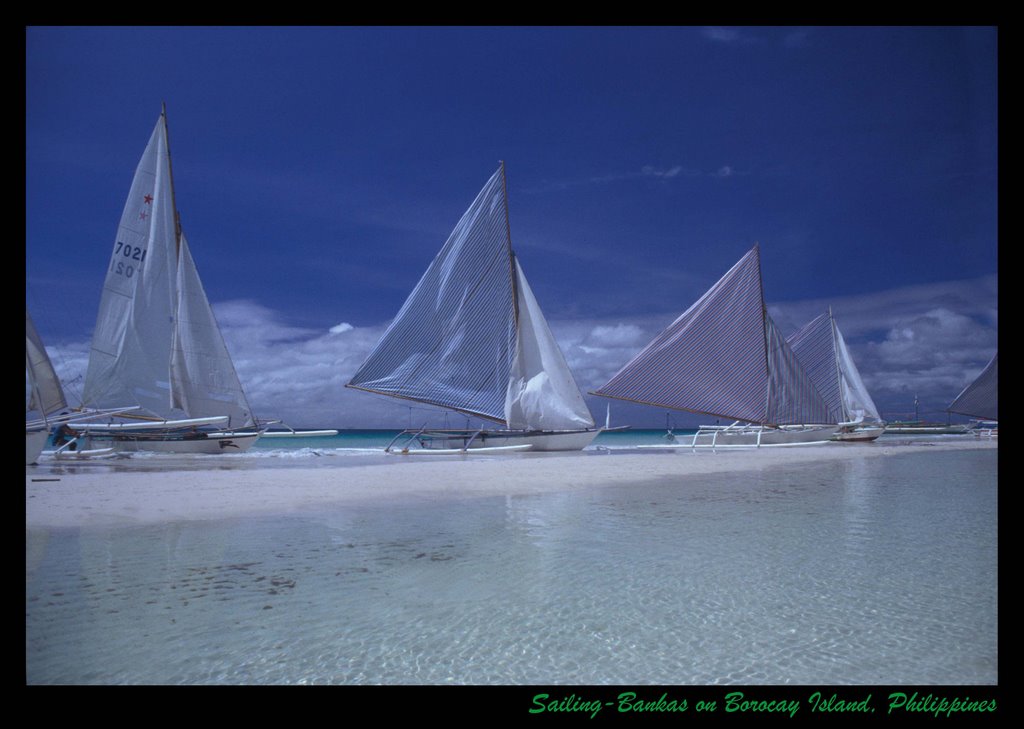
(879, 570)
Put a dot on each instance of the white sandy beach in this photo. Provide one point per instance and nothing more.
(69, 497)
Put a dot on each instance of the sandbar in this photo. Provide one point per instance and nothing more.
(106, 497)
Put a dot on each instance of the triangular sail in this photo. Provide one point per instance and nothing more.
(203, 378)
(131, 343)
(472, 338)
(723, 357)
(822, 351)
(542, 394)
(856, 400)
(980, 399)
(45, 392)
(140, 337)
(453, 341)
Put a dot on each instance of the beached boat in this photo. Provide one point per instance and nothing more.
(292, 433)
(822, 351)
(980, 400)
(924, 427)
(45, 394)
(472, 338)
(47, 400)
(724, 357)
(156, 343)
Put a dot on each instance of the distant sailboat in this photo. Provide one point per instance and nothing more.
(980, 399)
(822, 351)
(471, 338)
(45, 394)
(156, 342)
(724, 357)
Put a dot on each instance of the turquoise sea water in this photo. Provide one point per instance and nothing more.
(877, 570)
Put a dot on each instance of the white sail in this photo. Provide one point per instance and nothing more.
(45, 392)
(856, 401)
(471, 336)
(203, 378)
(156, 343)
(542, 394)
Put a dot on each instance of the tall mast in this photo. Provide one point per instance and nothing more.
(511, 253)
(170, 175)
(839, 372)
(764, 337)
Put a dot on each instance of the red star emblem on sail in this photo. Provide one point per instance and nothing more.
(148, 199)
(143, 215)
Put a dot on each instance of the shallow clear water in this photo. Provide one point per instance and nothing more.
(872, 571)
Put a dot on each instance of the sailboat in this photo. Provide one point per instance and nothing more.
(45, 394)
(980, 399)
(725, 357)
(46, 398)
(156, 343)
(822, 351)
(471, 338)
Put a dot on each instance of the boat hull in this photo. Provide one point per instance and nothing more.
(910, 429)
(859, 435)
(212, 443)
(299, 433)
(545, 440)
(756, 436)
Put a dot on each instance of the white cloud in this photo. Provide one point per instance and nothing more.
(615, 335)
(341, 328)
(650, 171)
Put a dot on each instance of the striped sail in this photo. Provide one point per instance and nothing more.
(471, 338)
(980, 399)
(156, 343)
(814, 346)
(724, 357)
(822, 351)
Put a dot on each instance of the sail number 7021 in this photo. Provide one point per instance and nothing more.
(124, 254)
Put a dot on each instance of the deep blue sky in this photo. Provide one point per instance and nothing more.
(319, 170)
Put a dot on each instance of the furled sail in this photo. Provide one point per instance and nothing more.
(822, 351)
(980, 399)
(143, 348)
(471, 337)
(724, 357)
(45, 392)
